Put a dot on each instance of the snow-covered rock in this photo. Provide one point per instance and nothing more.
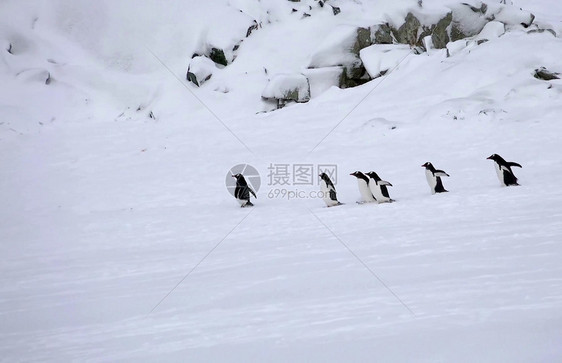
(284, 88)
(341, 48)
(200, 70)
(492, 30)
(321, 79)
(380, 58)
(220, 40)
(469, 20)
(510, 15)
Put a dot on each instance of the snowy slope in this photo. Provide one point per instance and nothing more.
(107, 210)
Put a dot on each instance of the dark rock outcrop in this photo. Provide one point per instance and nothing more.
(545, 75)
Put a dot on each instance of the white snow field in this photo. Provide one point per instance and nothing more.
(120, 242)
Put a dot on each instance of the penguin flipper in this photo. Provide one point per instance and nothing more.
(254, 194)
(384, 182)
(333, 195)
(440, 173)
(514, 164)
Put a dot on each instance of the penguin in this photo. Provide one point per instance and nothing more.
(328, 191)
(434, 178)
(379, 188)
(363, 183)
(503, 169)
(242, 191)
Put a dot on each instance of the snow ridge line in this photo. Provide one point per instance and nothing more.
(198, 99)
(363, 263)
(200, 262)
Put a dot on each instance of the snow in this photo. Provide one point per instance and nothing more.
(492, 30)
(322, 79)
(335, 49)
(120, 241)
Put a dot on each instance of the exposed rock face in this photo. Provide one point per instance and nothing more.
(381, 34)
(545, 75)
(217, 56)
(440, 34)
(408, 32)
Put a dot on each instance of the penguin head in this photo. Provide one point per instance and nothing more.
(238, 176)
(496, 158)
(324, 177)
(360, 175)
(427, 165)
(373, 175)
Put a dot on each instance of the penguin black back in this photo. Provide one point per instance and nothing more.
(329, 191)
(242, 191)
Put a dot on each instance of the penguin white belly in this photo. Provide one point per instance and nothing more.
(499, 172)
(365, 191)
(431, 180)
(326, 195)
(377, 192)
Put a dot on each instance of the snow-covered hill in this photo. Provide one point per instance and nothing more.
(120, 241)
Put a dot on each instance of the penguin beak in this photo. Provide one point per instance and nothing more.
(489, 157)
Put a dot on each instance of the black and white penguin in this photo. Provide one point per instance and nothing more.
(503, 169)
(379, 188)
(434, 178)
(363, 183)
(328, 191)
(242, 191)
